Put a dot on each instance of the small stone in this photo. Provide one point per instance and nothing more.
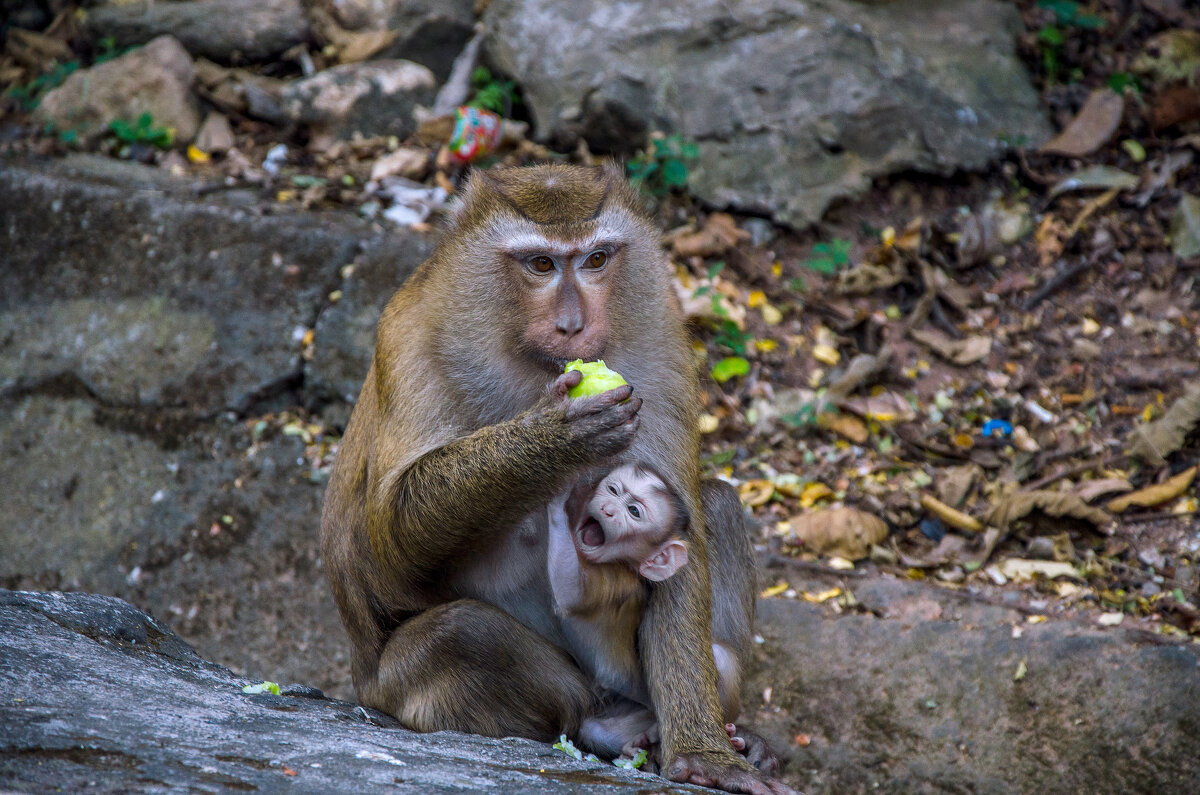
(215, 134)
(372, 98)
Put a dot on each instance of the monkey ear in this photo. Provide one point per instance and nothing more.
(665, 561)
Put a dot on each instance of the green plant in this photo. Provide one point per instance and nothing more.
(29, 96)
(142, 131)
(492, 93)
(826, 258)
(1052, 37)
(663, 167)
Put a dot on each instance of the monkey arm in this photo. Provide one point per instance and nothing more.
(439, 504)
(680, 672)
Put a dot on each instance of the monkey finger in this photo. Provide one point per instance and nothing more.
(565, 382)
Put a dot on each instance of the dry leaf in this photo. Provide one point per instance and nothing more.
(1098, 119)
(1155, 495)
(1095, 178)
(720, 233)
(953, 484)
(961, 352)
(1091, 489)
(949, 515)
(1052, 503)
(1020, 569)
(756, 492)
(884, 407)
(842, 532)
(1156, 440)
(858, 371)
(410, 162)
(845, 425)
(355, 47)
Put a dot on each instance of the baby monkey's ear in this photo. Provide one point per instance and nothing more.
(670, 557)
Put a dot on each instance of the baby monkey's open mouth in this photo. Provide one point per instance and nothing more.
(590, 532)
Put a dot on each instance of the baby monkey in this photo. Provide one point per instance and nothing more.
(609, 537)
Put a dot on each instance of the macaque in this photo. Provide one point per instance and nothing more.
(608, 539)
(434, 528)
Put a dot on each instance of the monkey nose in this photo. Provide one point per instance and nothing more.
(569, 325)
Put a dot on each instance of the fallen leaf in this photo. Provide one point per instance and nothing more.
(1021, 569)
(1052, 503)
(1185, 227)
(1095, 178)
(410, 162)
(950, 516)
(756, 492)
(1157, 494)
(841, 532)
(884, 407)
(1174, 105)
(775, 589)
(846, 425)
(730, 367)
(823, 596)
(355, 47)
(961, 352)
(826, 354)
(720, 233)
(812, 493)
(1154, 441)
(1110, 619)
(1092, 128)
(953, 484)
(1091, 489)
(1022, 669)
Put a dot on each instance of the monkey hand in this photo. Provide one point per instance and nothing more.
(724, 772)
(604, 424)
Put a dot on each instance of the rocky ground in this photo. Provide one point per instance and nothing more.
(961, 404)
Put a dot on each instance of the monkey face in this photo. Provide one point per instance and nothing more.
(624, 518)
(564, 296)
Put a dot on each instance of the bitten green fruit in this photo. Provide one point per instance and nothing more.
(597, 378)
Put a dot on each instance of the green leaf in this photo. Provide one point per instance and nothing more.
(716, 268)
(675, 173)
(730, 367)
(265, 687)
(1051, 35)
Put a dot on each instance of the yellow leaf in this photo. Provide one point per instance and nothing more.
(765, 346)
(949, 515)
(1089, 327)
(771, 315)
(826, 354)
(888, 236)
(813, 492)
(756, 492)
(844, 532)
(1035, 619)
(823, 596)
(196, 154)
(708, 423)
(1155, 495)
(757, 298)
(777, 269)
(1148, 412)
(775, 589)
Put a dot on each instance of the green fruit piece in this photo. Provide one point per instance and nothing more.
(597, 378)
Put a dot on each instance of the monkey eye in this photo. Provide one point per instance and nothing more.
(635, 512)
(541, 264)
(612, 488)
(596, 259)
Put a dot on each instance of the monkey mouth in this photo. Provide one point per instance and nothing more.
(591, 534)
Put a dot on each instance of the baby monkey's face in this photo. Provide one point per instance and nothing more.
(626, 518)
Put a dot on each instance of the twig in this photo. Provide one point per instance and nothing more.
(1088, 466)
(1151, 517)
(1055, 283)
(821, 570)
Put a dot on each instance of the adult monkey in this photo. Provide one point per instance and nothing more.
(434, 525)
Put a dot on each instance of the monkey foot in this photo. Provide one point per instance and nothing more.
(754, 749)
(705, 771)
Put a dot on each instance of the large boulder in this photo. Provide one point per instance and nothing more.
(97, 694)
(374, 98)
(229, 31)
(793, 103)
(155, 79)
(430, 32)
(191, 302)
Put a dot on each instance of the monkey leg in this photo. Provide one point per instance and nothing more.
(471, 667)
(617, 728)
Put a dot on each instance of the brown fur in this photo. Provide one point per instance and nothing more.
(453, 446)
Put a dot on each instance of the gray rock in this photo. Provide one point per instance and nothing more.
(223, 30)
(926, 700)
(430, 32)
(793, 104)
(99, 694)
(188, 302)
(345, 331)
(373, 98)
(154, 79)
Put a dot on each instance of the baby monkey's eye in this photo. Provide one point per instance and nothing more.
(612, 488)
(635, 512)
